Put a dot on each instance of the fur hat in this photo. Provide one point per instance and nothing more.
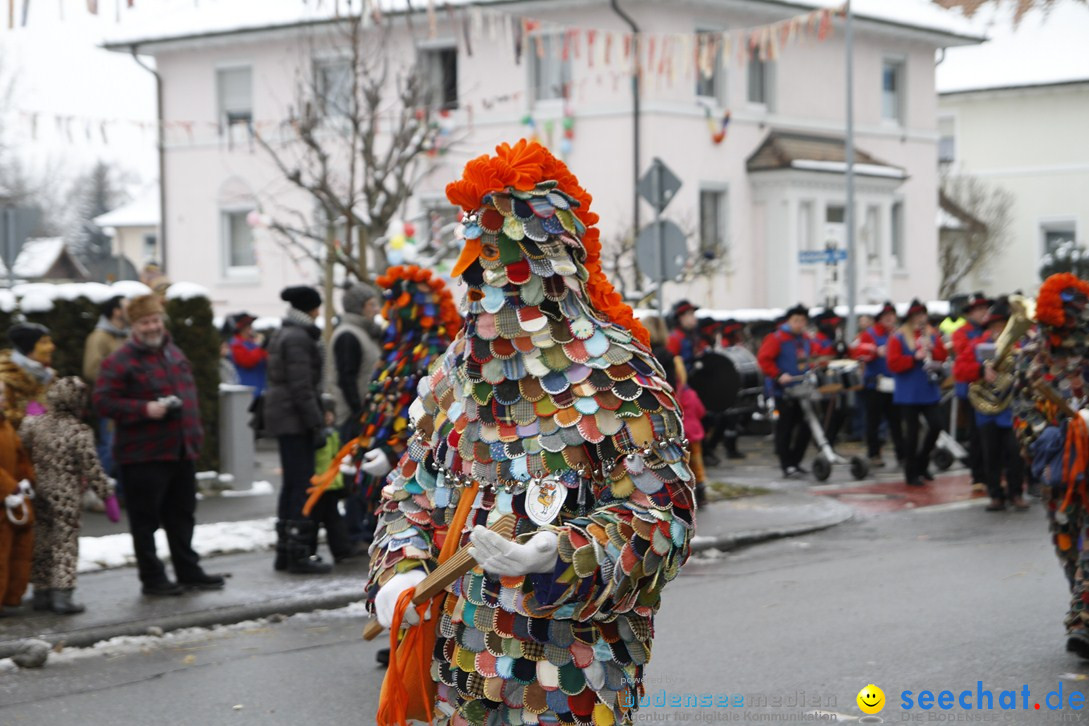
(356, 296)
(144, 305)
(24, 336)
(301, 297)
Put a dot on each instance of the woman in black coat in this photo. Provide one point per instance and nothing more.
(293, 414)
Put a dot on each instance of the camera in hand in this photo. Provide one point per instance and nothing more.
(173, 405)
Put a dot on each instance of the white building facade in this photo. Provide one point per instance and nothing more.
(756, 215)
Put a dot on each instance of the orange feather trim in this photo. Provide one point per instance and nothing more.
(1049, 303)
(522, 167)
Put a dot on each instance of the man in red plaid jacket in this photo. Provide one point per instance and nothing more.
(147, 388)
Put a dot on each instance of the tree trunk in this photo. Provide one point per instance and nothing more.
(362, 249)
(327, 280)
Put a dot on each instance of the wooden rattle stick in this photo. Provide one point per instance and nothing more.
(443, 575)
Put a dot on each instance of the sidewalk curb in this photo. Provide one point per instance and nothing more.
(735, 540)
(87, 637)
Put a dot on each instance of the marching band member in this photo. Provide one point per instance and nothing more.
(871, 347)
(965, 370)
(785, 355)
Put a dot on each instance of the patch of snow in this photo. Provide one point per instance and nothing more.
(37, 256)
(130, 288)
(207, 475)
(214, 538)
(257, 489)
(97, 293)
(8, 303)
(143, 211)
(187, 291)
(140, 25)
(1045, 48)
(840, 167)
(36, 302)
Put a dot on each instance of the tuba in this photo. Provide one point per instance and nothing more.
(993, 398)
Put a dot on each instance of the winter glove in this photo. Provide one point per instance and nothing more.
(385, 602)
(319, 438)
(376, 463)
(113, 508)
(26, 489)
(502, 557)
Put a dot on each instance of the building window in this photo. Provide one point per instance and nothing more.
(239, 254)
(835, 214)
(710, 80)
(760, 82)
(439, 69)
(947, 140)
(333, 87)
(896, 244)
(1055, 233)
(871, 233)
(234, 88)
(549, 71)
(892, 91)
(151, 244)
(713, 240)
(805, 226)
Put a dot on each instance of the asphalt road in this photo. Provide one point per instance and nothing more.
(914, 600)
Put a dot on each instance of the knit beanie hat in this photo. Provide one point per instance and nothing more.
(24, 336)
(356, 296)
(302, 297)
(144, 305)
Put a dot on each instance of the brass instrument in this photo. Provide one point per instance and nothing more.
(993, 398)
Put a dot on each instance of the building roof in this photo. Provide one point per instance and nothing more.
(1046, 48)
(143, 211)
(148, 23)
(40, 257)
(785, 150)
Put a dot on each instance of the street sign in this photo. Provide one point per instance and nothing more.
(660, 250)
(821, 257)
(659, 185)
(17, 224)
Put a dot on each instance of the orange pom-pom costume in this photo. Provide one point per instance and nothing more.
(548, 408)
(1053, 380)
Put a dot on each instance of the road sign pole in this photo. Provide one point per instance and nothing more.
(659, 243)
(849, 158)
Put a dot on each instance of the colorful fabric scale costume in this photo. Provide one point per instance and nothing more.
(552, 408)
(1052, 384)
(422, 322)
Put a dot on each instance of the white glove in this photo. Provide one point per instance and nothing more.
(502, 557)
(13, 501)
(26, 489)
(376, 463)
(385, 602)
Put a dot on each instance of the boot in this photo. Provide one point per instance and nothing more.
(300, 557)
(63, 605)
(43, 599)
(280, 564)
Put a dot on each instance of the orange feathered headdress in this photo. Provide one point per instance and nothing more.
(1057, 305)
(520, 168)
(398, 281)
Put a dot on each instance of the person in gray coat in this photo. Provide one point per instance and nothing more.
(357, 348)
(293, 414)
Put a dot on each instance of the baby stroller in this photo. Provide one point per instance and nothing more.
(816, 385)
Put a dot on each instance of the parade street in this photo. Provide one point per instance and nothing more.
(927, 599)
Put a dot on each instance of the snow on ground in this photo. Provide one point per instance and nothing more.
(215, 538)
(259, 489)
(135, 644)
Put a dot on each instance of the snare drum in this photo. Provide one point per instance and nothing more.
(848, 373)
(825, 380)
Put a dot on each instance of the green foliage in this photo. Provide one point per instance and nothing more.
(190, 324)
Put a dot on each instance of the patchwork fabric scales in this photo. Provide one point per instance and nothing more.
(422, 322)
(550, 402)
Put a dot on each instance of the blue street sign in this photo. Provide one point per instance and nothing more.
(821, 257)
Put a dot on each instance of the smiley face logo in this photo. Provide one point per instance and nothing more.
(871, 699)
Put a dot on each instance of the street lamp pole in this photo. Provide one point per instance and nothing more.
(849, 157)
